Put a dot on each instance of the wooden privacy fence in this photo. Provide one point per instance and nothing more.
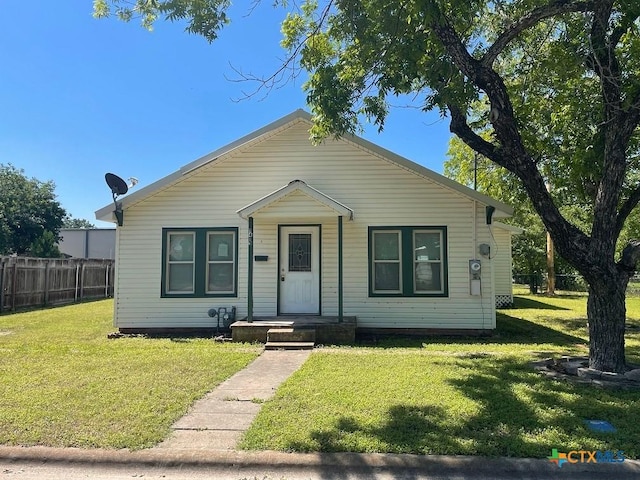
(32, 282)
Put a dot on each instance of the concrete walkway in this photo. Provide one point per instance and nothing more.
(218, 420)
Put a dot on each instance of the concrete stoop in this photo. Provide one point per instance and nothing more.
(290, 339)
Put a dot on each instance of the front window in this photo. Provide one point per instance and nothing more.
(428, 266)
(221, 262)
(199, 262)
(387, 269)
(180, 262)
(407, 261)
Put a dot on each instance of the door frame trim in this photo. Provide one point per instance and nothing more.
(287, 225)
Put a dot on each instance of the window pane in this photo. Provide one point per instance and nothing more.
(427, 277)
(181, 277)
(221, 246)
(427, 246)
(220, 277)
(181, 247)
(386, 277)
(300, 252)
(386, 246)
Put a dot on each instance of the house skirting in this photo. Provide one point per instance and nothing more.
(504, 301)
(424, 332)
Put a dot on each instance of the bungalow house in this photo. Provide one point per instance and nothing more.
(271, 226)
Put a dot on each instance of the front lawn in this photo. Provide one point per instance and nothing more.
(455, 396)
(63, 383)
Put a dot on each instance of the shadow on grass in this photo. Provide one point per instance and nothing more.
(530, 303)
(409, 429)
(519, 413)
(517, 330)
(508, 330)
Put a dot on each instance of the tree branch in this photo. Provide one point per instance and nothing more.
(552, 9)
(630, 256)
(460, 127)
(512, 154)
(288, 64)
(625, 210)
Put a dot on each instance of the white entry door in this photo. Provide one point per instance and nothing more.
(299, 270)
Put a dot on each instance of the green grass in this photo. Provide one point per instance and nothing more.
(63, 383)
(454, 396)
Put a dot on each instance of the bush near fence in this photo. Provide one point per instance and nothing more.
(32, 282)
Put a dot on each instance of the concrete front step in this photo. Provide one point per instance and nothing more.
(289, 345)
(291, 335)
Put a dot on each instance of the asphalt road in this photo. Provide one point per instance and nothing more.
(47, 470)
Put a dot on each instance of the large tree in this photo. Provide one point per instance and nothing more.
(570, 103)
(30, 215)
(530, 247)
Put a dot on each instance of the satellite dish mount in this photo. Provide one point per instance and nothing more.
(118, 187)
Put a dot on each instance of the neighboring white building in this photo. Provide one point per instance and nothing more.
(502, 259)
(88, 242)
(345, 228)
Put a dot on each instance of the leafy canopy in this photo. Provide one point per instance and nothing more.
(30, 215)
(204, 17)
(70, 222)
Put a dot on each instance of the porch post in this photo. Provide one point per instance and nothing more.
(340, 295)
(250, 274)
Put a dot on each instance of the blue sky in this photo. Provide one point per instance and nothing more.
(80, 97)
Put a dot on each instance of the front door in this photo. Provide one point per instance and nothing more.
(299, 270)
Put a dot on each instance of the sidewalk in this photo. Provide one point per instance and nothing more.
(218, 420)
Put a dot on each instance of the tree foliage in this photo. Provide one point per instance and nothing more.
(70, 222)
(204, 17)
(555, 82)
(30, 215)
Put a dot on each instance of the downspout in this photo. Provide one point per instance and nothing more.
(340, 277)
(489, 211)
(474, 255)
(474, 236)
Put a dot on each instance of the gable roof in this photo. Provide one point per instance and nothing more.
(293, 187)
(106, 212)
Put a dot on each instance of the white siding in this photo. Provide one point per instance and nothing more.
(379, 192)
(502, 261)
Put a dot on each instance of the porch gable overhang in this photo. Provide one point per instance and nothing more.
(294, 187)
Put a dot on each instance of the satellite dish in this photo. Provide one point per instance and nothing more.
(117, 185)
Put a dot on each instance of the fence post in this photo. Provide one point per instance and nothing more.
(1, 285)
(106, 280)
(82, 273)
(46, 283)
(14, 286)
(112, 278)
(75, 294)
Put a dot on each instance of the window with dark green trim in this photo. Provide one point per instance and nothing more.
(199, 262)
(408, 261)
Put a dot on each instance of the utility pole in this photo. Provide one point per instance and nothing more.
(551, 271)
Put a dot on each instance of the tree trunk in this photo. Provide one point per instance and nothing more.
(551, 269)
(606, 310)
